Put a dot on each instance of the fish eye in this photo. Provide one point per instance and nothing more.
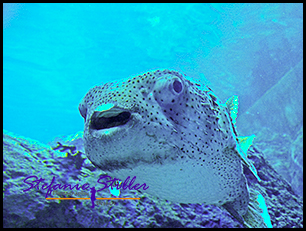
(168, 90)
(177, 86)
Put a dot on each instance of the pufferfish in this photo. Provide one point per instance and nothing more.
(173, 134)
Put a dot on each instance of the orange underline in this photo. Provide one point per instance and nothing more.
(90, 198)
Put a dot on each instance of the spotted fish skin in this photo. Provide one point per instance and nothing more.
(171, 133)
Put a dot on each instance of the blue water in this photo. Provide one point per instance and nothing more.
(53, 53)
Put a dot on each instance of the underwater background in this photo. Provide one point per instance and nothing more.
(53, 54)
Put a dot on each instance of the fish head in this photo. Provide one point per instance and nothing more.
(134, 120)
(171, 133)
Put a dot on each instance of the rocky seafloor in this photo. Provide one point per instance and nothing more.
(23, 157)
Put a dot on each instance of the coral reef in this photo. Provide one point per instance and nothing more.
(24, 157)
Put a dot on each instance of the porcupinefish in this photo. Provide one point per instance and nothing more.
(171, 133)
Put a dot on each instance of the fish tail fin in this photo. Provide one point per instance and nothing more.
(257, 215)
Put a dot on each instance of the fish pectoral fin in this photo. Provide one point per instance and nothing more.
(232, 105)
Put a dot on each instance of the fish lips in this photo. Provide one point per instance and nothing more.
(114, 117)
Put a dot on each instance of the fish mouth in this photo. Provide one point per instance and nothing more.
(111, 118)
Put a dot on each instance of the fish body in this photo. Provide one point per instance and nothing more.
(171, 133)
